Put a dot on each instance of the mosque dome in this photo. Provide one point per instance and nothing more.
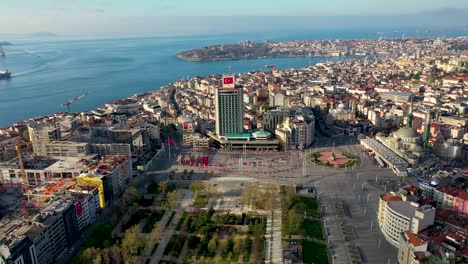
(261, 134)
(406, 132)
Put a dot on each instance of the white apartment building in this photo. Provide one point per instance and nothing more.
(397, 216)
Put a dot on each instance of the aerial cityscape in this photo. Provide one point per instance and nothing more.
(293, 148)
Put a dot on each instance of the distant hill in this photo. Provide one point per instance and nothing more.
(4, 43)
(43, 34)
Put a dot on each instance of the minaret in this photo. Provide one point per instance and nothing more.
(427, 129)
(409, 120)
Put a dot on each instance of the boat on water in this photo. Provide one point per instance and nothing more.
(2, 53)
(5, 74)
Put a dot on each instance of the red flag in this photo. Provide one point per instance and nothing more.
(228, 82)
(169, 140)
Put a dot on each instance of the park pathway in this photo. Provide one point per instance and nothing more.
(273, 234)
(166, 234)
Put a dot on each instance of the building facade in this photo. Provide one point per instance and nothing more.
(229, 111)
(273, 117)
(397, 216)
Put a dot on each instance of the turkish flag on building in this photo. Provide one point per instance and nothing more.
(228, 82)
(169, 140)
(79, 208)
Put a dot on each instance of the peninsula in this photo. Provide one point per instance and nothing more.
(4, 43)
(310, 48)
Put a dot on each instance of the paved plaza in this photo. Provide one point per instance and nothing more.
(348, 196)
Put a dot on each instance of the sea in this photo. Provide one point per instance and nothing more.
(50, 71)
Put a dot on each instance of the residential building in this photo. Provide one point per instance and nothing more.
(273, 117)
(412, 249)
(396, 216)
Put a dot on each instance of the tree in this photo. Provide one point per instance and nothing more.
(249, 195)
(132, 243)
(289, 196)
(193, 241)
(172, 199)
(133, 209)
(237, 244)
(218, 260)
(196, 187)
(431, 79)
(98, 259)
(105, 254)
(212, 245)
(163, 186)
(89, 255)
(129, 196)
(225, 245)
(115, 254)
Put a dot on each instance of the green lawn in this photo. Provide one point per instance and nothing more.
(247, 250)
(201, 200)
(312, 228)
(309, 205)
(314, 253)
(182, 220)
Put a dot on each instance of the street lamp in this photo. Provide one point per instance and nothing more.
(318, 195)
(362, 186)
(321, 210)
(328, 238)
(334, 257)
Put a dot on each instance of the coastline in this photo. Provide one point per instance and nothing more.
(165, 68)
(190, 59)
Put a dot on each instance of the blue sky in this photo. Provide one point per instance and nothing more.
(156, 17)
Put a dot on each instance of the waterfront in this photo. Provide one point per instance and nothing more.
(50, 72)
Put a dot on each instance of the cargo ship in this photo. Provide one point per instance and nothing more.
(5, 75)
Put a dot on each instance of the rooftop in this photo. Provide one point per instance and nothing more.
(414, 239)
(404, 208)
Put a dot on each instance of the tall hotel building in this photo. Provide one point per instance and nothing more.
(229, 108)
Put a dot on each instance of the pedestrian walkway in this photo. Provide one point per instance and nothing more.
(273, 234)
(185, 200)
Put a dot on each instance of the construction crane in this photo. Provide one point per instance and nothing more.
(21, 164)
(69, 102)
